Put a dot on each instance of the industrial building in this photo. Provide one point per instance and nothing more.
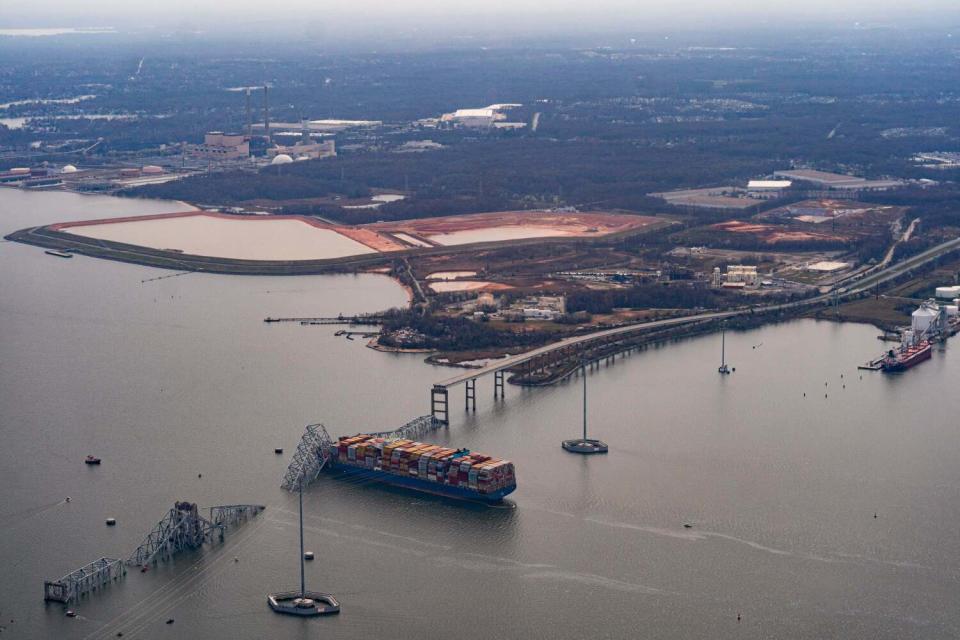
(719, 198)
(740, 273)
(483, 118)
(317, 126)
(222, 146)
(836, 181)
(304, 150)
(767, 189)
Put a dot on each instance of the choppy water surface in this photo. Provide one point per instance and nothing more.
(173, 378)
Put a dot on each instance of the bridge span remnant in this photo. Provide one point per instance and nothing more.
(184, 528)
(87, 578)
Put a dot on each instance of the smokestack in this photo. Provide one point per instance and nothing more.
(266, 114)
(249, 117)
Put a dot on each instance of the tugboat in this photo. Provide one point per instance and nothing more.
(92, 460)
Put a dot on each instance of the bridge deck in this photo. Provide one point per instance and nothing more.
(855, 288)
(512, 361)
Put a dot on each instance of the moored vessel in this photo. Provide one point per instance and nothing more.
(445, 471)
(905, 357)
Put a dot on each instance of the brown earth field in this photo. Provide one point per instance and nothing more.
(528, 268)
(841, 212)
(575, 224)
(772, 234)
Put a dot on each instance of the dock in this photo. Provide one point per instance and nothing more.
(352, 320)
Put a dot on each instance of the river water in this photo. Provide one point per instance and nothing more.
(173, 379)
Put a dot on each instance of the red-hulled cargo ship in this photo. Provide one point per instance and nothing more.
(906, 357)
(456, 473)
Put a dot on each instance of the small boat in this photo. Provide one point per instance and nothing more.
(91, 460)
(59, 254)
(111, 522)
(278, 451)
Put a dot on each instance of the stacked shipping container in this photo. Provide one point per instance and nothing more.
(427, 467)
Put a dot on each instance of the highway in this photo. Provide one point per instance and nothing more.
(854, 288)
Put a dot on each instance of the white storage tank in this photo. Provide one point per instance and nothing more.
(952, 310)
(948, 293)
(922, 318)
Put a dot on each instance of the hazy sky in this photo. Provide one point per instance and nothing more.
(539, 15)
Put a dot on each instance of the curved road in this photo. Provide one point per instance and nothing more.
(856, 287)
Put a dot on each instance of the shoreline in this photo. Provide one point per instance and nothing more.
(52, 237)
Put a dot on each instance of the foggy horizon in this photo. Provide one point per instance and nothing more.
(429, 19)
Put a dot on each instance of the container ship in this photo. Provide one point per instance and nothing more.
(455, 473)
(906, 357)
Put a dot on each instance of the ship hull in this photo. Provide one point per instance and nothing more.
(905, 363)
(418, 484)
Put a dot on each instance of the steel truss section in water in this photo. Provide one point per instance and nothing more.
(313, 452)
(309, 458)
(413, 429)
(233, 514)
(85, 579)
(184, 528)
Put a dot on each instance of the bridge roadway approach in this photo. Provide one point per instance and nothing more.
(564, 349)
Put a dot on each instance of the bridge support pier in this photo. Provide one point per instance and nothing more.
(438, 404)
(471, 394)
(498, 384)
